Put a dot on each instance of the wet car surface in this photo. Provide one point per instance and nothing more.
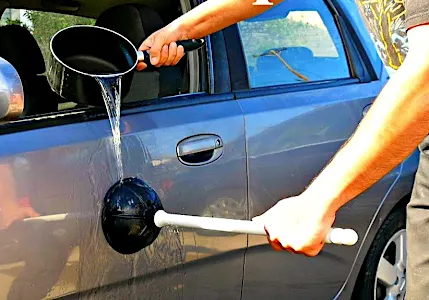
(278, 130)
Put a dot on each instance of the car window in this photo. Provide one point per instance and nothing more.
(43, 25)
(148, 85)
(296, 41)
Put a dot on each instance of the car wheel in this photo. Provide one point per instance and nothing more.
(383, 273)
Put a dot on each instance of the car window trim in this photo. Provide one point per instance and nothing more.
(236, 59)
(220, 63)
(355, 46)
(99, 113)
(290, 88)
(239, 74)
(222, 92)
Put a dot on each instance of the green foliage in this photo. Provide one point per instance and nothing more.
(16, 22)
(46, 24)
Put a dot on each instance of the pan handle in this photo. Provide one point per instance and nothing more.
(188, 45)
(191, 45)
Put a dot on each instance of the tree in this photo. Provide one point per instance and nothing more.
(46, 24)
(16, 22)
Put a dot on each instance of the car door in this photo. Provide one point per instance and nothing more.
(63, 164)
(304, 89)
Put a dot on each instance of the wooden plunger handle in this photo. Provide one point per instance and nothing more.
(338, 236)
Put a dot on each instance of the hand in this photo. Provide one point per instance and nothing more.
(162, 47)
(10, 214)
(297, 225)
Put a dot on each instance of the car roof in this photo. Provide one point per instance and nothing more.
(84, 8)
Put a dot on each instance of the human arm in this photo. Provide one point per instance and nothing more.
(10, 210)
(392, 129)
(207, 18)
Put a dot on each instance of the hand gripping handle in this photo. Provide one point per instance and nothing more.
(338, 236)
(188, 45)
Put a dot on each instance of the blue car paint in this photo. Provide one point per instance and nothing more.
(275, 141)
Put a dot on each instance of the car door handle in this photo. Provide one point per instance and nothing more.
(200, 149)
(366, 109)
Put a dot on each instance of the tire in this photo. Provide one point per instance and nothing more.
(390, 234)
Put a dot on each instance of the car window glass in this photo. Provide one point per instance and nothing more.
(43, 25)
(148, 85)
(296, 41)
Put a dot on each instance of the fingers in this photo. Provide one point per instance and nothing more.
(29, 212)
(286, 241)
(141, 66)
(263, 217)
(275, 245)
(175, 54)
(163, 57)
(156, 48)
(154, 44)
(147, 44)
(168, 56)
(180, 53)
(172, 52)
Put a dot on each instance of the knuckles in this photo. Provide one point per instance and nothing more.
(309, 249)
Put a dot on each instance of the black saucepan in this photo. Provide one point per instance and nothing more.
(80, 53)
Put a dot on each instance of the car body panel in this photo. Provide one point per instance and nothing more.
(302, 127)
(68, 169)
(275, 141)
(303, 135)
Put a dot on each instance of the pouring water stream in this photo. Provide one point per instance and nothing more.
(111, 91)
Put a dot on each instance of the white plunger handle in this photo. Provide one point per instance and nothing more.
(338, 236)
(51, 218)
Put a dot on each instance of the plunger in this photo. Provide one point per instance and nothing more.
(132, 218)
(338, 236)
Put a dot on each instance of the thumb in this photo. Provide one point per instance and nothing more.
(147, 43)
(155, 43)
(258, 219)
(155, 51)
(28, 212)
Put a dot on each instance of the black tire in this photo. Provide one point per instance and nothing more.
(364, 289)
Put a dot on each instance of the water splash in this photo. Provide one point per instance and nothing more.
(111, 91)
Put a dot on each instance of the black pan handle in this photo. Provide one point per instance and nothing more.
(191, 45)
(188, 45)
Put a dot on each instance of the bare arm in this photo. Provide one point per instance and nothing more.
(7, 188)
(214, 15)
(10, 210)
(395, 125)
(207, 18)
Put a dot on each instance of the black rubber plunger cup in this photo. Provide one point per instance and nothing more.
(128, 215)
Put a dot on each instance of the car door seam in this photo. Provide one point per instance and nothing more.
(247, 192)
(374, 218)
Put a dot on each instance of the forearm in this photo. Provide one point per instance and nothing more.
(214, 15)
(395, 125)
(7, 188)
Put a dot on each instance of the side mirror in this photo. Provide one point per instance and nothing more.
(11, 92)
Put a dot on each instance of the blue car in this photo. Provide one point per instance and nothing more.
(249, 119)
